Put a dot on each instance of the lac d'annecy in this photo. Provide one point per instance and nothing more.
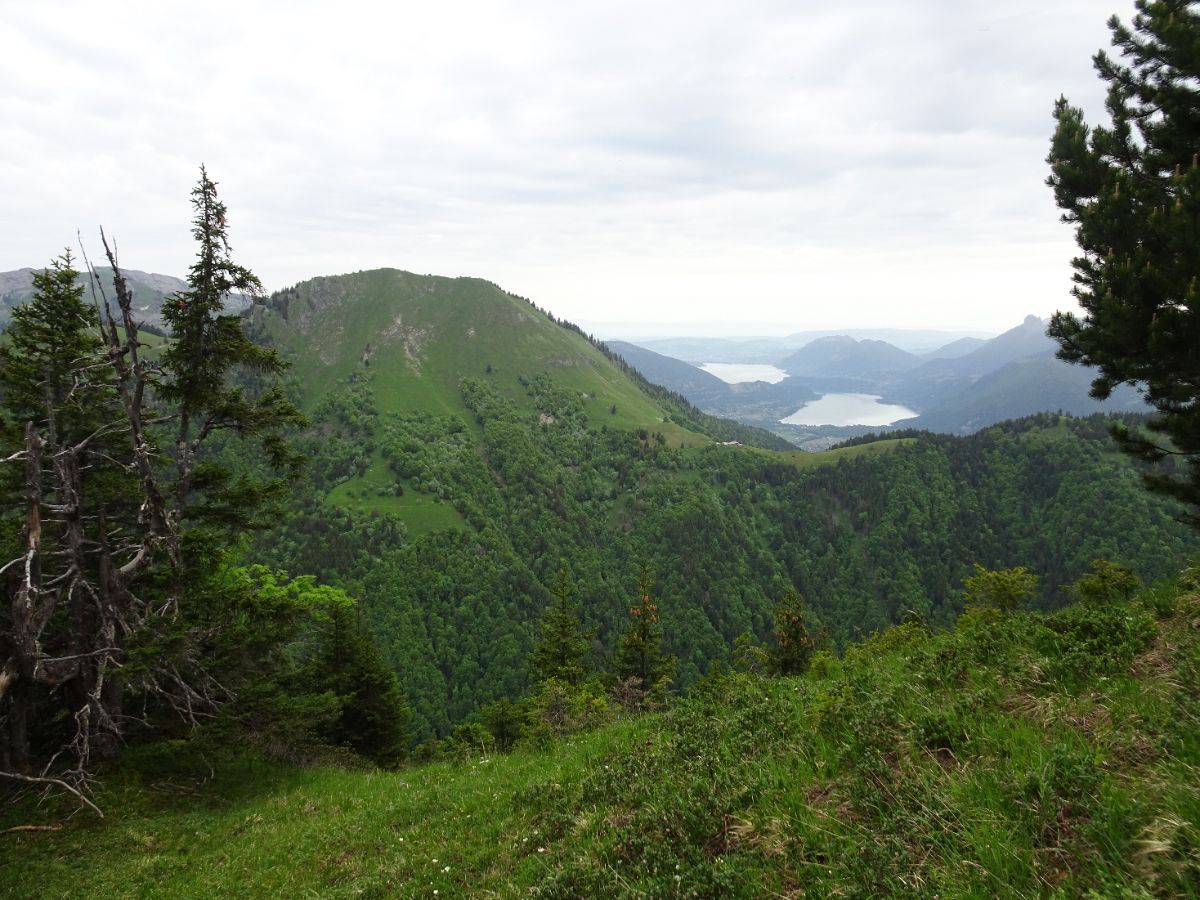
(740, 373)
(849, 409)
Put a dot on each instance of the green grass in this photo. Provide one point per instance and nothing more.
(1018, 755)
(802, 459)
(420, 513)
(426, 333)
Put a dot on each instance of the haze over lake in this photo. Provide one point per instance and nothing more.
(848, 409)
(739, 373)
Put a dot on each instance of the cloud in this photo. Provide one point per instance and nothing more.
(874, 163)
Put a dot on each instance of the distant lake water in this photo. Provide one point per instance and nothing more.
(848, 409)
(737, 373)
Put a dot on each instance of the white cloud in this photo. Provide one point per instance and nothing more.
(815, 165)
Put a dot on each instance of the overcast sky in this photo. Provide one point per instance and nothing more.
(773, 165)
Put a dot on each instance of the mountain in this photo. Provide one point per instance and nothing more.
(418, 336)
(841, 356)
(944, 389)
(956, 388)
(700, 387)
(1040, 381)
(701, 350)
(955, 349)
(756, 403)
(1027, 339)
(769, 350)
(149, 291)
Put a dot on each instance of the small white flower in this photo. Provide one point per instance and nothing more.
(446, 869)
(541, 849)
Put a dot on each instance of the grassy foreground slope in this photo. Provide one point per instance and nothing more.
(1017, 755)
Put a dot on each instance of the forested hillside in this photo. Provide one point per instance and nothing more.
(450, 525)
(1017, 755)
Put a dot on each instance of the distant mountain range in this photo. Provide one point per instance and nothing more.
(770, 350)
(958, 388)
(149, 291)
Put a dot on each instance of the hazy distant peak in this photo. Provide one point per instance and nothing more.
(843, 356)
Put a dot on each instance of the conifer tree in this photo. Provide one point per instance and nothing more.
(114, 528)
(640, 655)
(1132, 191)
(563, 644)
(1006, 590)
(208, 349)
(51, 339)
(794, 646)
(374, 714)
(1106, 582)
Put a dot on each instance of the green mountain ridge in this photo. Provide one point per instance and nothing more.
(418, 336)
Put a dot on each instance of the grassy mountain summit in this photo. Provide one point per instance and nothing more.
(418, 336)
(414, 342)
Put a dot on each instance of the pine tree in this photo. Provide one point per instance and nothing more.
(58, 405)
(794, 646)
(51, 340)
(640, 656)
(206, 365)
(374, 715)
(1132, 191)
(563, 644)
(1106, 582)
(1005, 590)
(115, 531)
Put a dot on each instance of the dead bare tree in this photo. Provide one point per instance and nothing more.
(101, 563)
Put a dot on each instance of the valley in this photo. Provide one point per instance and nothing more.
(464, 469)
(815, 396)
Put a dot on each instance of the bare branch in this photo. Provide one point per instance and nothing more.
(54, 782)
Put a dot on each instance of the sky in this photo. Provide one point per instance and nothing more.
(720, 167)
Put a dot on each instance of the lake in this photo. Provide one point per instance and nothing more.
(737, 373)
(848, 409)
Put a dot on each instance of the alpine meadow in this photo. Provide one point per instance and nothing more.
(390, 584)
